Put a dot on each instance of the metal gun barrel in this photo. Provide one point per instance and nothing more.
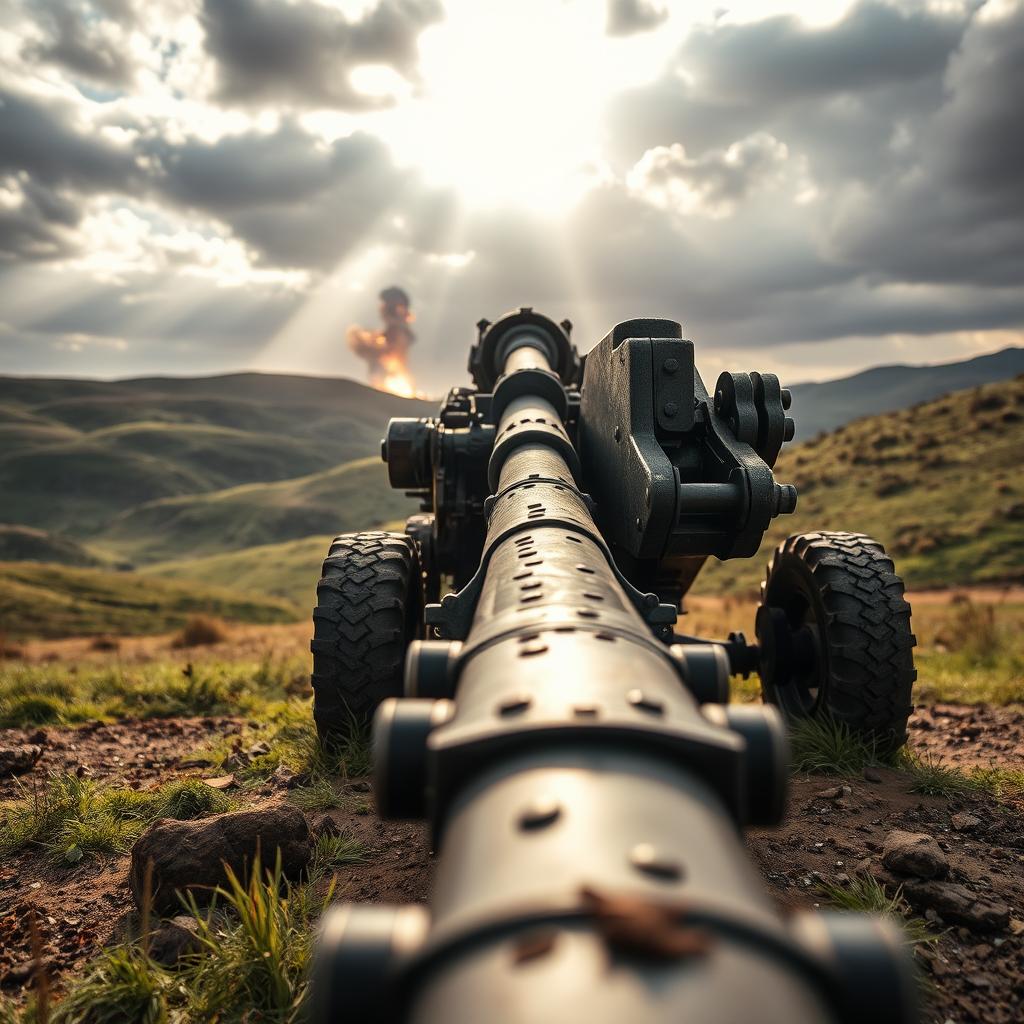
(585, 806)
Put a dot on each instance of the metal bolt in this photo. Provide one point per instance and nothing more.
(644, 857)
(670, 365)
(585, 710)
(542, 812)
(617, 434)
(644, 703)
(671, 409)
(639, 523)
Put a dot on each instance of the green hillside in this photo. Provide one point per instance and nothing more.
(26, 544)
(289, 570)
(939, 484)
(353, 496)
(75, 455)
(54, 601)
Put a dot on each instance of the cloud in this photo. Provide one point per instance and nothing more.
(775, 184)
(268, 51)
(712, 183)
(78, 38)
(627, 17)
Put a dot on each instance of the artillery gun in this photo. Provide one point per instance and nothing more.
(581, 768)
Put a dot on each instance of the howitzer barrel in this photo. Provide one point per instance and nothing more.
(585, 804)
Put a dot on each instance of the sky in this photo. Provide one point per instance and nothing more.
(198, 186)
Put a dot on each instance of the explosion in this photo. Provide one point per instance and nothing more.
(386, 351)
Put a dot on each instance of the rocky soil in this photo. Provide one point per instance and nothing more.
(958, 863)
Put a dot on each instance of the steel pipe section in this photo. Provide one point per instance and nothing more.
(585, 806)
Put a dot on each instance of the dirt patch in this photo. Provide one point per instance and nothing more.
(972, 734)
(828, 839)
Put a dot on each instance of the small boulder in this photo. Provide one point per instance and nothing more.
(191, 855)
(964, 822)
(957, 904)
(915, 854)
(19, 759)
(174, 939)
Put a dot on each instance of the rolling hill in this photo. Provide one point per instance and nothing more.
(939, 484)
(45, 600)
(352, 496)
(75, 454)
(830, 404)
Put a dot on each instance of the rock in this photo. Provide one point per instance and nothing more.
(835, 793)
(191, 854)
(174, 939)
(872, 774)
(222, 782)
(914, 853)
(323, 826)
(957, 904)
(17, 760)
(963, 821)
(258, 749)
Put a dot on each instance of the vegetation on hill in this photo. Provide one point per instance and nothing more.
(54, 601)
(26, 544)
(354, 496)
(75, 454)
(289, 570)
(939, 484)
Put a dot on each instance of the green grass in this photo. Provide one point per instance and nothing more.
(823, 745)
(866, 895)
(257, 941)
(287, 729)
(933, 777)
(336, 851)
(46, 600)
(52, 694)
(72, 818)
(288, 570)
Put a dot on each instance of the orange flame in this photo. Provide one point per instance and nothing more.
(386, 351)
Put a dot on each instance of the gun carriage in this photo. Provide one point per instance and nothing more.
(577, 758)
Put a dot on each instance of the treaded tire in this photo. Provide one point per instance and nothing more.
(369, 608)
(834, 629)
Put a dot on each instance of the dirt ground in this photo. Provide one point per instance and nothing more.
(977, 976)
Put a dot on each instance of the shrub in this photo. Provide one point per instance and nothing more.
(200, 630)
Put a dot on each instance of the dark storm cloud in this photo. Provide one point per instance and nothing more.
(295, 200)
(74, 40)
(627, 17)
(51, 167)
(41, 139)
(304, 53)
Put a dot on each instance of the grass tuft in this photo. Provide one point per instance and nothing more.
(824, 745)
(123, 984)
(863, 893)
(931, 776)
(336, 851)
(72, 817)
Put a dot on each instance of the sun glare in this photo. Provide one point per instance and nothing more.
(508, 110)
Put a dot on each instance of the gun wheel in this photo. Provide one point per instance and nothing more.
(834, 631)
(369, 605)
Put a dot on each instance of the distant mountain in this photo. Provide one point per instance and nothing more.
(830, 404)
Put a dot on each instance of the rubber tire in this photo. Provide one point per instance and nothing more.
(369, 609)
(848, 589)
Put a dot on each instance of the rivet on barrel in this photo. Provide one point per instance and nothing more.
(542, 812)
